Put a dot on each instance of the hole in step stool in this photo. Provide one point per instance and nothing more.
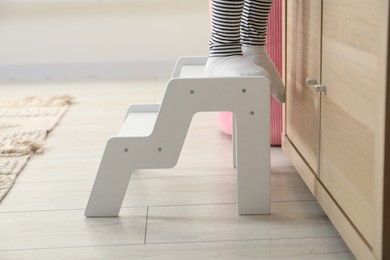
(243, 90)
(126, 150)
(159, 149)
(252, 113)
(192, 91)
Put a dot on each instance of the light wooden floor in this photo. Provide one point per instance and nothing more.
(187, 212)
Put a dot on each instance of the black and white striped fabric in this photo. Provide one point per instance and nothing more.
(237, 22)
(254, 22)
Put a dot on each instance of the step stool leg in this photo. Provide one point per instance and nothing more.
(253, 165)
(234, 141)
(110, 184)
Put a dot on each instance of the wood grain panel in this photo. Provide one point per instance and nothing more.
(346, 229)
(303, 61)
(381, 247)
(348, 109)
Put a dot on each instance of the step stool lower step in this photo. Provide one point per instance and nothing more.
(139, 121)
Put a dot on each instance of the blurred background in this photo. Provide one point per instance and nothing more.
(78, 39)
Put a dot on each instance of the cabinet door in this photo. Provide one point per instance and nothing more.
(303, 50)
(349, 115)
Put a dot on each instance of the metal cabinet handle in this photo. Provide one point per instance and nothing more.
(311, 81)
(317, 87)
(320, 88)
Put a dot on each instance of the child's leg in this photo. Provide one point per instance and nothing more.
(253, 35)
(225, 54)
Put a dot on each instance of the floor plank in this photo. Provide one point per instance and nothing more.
(53, 229)
(221, 222)
(157, 191)
(328, 248)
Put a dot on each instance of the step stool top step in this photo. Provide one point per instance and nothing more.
(192, 71)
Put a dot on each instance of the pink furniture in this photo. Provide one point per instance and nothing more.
(274, 48)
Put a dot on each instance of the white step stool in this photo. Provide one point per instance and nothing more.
(152, 136)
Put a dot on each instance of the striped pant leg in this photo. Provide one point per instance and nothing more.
(225, 29)
(254, 22)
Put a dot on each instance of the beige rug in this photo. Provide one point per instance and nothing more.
(24, 125)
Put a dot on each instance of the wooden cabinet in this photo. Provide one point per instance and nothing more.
(303, 61)
(336, 138)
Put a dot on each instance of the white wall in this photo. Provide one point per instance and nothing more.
(134, 35)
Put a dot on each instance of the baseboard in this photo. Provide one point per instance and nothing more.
(86, 70)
